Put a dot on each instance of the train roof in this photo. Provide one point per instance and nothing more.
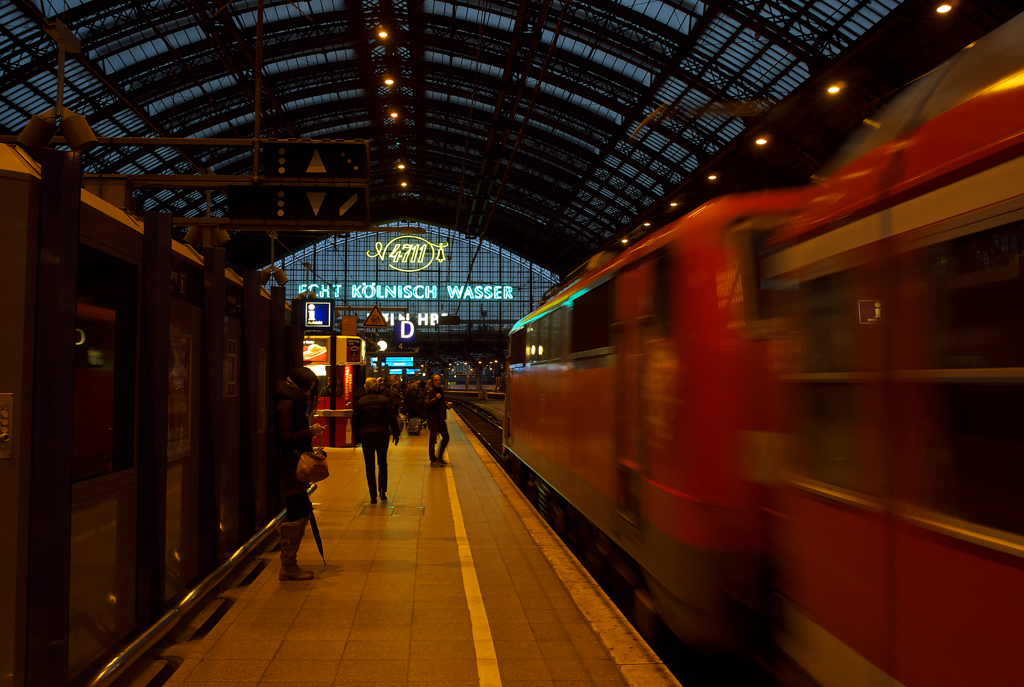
(706, 223)
(980, 66)
(960, 119)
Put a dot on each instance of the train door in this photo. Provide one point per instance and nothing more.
(634, 312)
(182, 524)
(514, 366)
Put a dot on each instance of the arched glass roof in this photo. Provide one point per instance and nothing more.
(515, 117)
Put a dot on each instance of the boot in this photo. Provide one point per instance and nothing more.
(291, 536)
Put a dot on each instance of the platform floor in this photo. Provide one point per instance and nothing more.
(455, 580)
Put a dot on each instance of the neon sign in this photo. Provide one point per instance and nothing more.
(478, 292)
(372, 291)
(408, 253)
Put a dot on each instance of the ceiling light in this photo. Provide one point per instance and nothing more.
(394, 115)
(388, 80)
(382, 33)
(942, 9)
(672, 205)
(647, 224)
(761, 141)
(833, 89)
(625, 240)
(712, 177)
(404, 184)
(401, 166)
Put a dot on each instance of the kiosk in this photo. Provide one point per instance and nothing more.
(348, 373)
(338, 361)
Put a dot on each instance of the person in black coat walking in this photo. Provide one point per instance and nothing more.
(295, 398)
(413, 401)
(373, 419)
(435, 409)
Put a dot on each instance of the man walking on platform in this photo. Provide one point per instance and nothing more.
(435, 409)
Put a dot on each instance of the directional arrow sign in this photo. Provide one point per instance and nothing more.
(338, 204)
(317, 159)
(316, 164)
(348, 204)
(316, 199)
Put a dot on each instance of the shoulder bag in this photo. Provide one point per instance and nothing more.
(312, 465)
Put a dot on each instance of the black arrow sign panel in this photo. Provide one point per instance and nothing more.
(336, 204)
(338, 160)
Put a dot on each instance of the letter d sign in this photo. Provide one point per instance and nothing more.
(405, 331)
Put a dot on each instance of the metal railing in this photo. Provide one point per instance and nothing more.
(117, 666)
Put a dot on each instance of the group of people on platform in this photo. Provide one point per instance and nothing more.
(374, 423)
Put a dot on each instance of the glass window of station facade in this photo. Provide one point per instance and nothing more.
(435, 273)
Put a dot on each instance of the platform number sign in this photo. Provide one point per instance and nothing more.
(318, 314)
(405, 331)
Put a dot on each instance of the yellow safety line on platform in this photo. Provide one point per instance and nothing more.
(639, 665)
(483, 643)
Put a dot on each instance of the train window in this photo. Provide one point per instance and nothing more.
(105, 346)
(544, 338)
(965, 296)
(664, 292)
(974, 294)
(592, 319)
(977, 472)
(830, 322)
(831, 441)
(533, 341)
(843, 355)
(554, 334)
(517, 347)
(764, 304)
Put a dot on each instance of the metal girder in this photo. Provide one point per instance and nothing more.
(750, 14)
(511, 74)
(213, 32)
(30, 11)
(570, 169)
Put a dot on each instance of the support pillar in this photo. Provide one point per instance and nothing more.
(152, 467)
(248, 466)
(211, 408)
(53, 411)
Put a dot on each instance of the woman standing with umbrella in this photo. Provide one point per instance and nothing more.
(295, 397)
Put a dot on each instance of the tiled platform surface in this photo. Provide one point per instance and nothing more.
(392, 608)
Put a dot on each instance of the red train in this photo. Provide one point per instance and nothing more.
(804, 406)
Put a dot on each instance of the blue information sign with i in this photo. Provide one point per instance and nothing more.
(318, 314)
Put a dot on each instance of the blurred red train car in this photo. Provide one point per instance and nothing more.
(807, 403)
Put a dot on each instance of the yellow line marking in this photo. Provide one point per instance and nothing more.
(486, 658)
(636, 661)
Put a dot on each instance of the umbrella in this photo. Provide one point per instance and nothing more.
(316, 536)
